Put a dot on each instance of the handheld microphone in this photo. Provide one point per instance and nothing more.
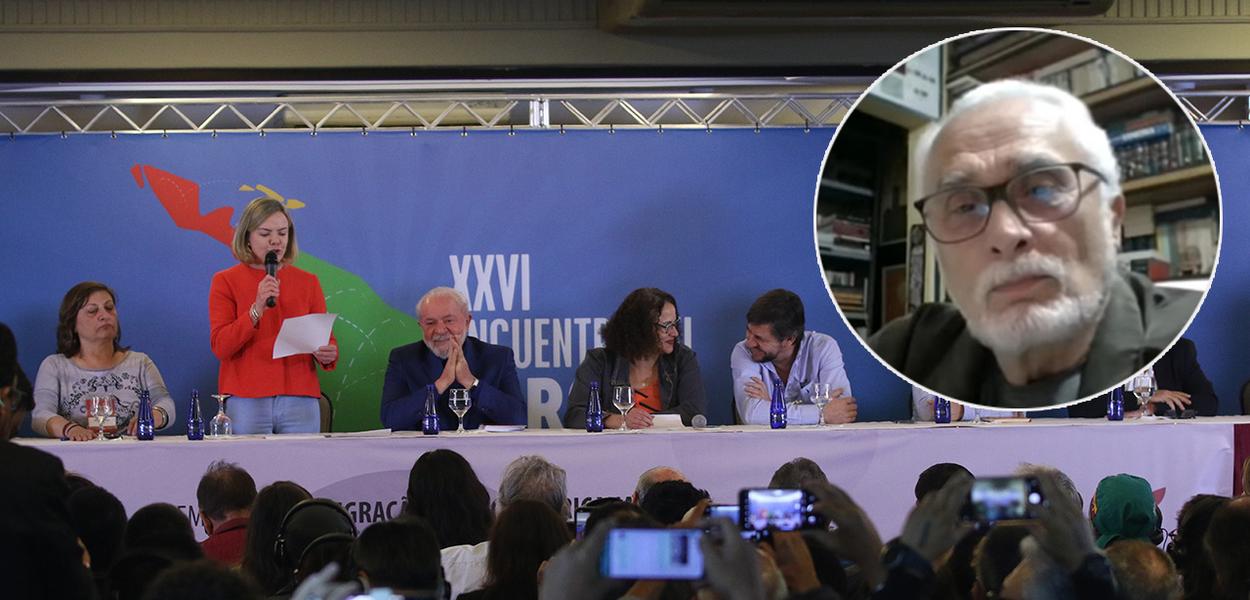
(271, 267)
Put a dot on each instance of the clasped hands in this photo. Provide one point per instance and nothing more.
(841, 409)
(456, 370)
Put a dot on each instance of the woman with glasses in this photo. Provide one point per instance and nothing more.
(91, 361)
(641, 352)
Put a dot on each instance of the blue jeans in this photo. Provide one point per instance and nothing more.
(273, 414)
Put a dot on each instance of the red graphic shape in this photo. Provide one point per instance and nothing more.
(181, 199)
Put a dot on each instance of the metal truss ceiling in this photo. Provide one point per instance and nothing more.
(310, 115)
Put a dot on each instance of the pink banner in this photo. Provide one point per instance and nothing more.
(877, 463)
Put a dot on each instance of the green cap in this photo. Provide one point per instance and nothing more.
(1123, 508)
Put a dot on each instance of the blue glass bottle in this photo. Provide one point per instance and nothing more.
(429, 423)
(594, 410)
(145, 425)
(195, 423)
(1115, 406)
(941, 410)
(777, 408)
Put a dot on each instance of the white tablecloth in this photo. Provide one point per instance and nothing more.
(877, 463)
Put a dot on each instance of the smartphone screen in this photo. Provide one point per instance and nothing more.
(994, 499)
(784, 510)
(653, 554)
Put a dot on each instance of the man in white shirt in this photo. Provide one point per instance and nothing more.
(778, 351)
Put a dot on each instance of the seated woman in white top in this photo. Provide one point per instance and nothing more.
(90, 361)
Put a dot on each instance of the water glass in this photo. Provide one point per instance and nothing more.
(460, 403)
(623, 400)
(1144, 386)
(821, 394)
(219, 427)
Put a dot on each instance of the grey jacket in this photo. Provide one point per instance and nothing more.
(933, 346)
(681, 385)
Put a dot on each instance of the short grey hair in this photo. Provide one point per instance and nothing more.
(651, 476)
(1061, 478)
(443, 290)
(798, 473)
(533, 477)
(1088, 135)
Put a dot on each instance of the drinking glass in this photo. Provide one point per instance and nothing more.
(623, 400)
(460, 404)
(1143, 386)
(821, 394)
(220, 426)
(102, 416)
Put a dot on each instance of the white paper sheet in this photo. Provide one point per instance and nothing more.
(666, 422)
(303, 335)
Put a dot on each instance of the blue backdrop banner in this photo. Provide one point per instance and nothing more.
(544, 232)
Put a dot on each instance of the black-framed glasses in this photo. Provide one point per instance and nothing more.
(667, 326)
(1040, 195)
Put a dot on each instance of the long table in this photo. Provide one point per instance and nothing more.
(877, 463)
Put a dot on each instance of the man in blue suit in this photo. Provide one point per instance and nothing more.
(447, 358)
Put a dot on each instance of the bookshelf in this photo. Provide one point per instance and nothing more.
(1172, 215)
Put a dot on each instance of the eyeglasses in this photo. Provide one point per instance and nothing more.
(667, 326)
(1039, 195)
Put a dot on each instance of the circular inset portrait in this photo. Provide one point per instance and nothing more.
(1018, 219)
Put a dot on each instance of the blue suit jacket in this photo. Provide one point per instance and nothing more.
(497, 400)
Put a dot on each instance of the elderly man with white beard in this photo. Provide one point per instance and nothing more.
(1041, 314)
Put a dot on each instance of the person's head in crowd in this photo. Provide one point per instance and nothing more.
(325, 549)
(996, 556)
(668, 501)
(401, 554)
(1044, 139)
(1037, 576)
(16, 400)
(77, 482)
(644, 325)
(272, 503)
(1187, 549)
(1061, 478)
(88, 314)
(201, 580)
(533, 477)
(99, 519)
(1228, 545)
(445, 492)
(312, 528)
(622, 513)
(933, 478)
(164, 527)
(226, 491)
(265, 226)
(526, 534)
(444, 316)
(1123, 508)
(775, 325)
(1143, 571)
(799, 473)
(652, 476)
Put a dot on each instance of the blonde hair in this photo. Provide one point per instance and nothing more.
(256, 212)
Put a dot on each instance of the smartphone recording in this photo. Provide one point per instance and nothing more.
(653, 554)
(995, 499)
(776, 509)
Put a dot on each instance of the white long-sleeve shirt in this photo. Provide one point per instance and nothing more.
(819, 360)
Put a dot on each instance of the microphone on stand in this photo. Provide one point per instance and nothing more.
(698, 422)
(271, 267)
